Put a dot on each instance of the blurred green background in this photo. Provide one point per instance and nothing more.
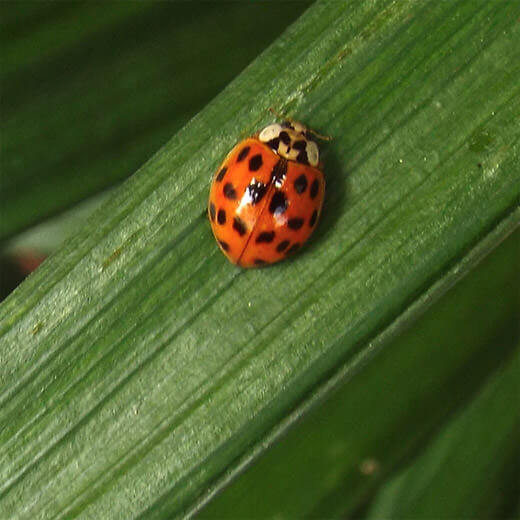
(89, 92)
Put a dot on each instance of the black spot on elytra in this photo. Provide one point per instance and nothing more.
(315, 186)
(295, 223)
(313, 219)
(243, 153)
(300, 184)
(287, 124)
(302, 157)
(274, 143)
(259, 261)
(224, 245)
(278, 203)
(229, 191)
(300, 145)
(255, 163)
(256, 191)
(239, 226)
(212, 211)
(293, 249)
(221, 174)
(265, 236)
(221, 217)
(282, 246)
(279, 172)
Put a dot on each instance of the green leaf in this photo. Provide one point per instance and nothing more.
(386, 405)
(474, 450)
(141, 371)
(89, 93)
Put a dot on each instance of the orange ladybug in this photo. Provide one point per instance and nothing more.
(267, 195)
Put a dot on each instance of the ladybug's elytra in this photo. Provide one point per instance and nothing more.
(267, 195)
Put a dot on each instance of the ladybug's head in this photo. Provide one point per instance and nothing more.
(293, 141)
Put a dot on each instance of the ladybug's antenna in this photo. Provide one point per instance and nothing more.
(288, 119)
(320, 136)
(273, 111)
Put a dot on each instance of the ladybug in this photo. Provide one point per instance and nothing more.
(267, 195)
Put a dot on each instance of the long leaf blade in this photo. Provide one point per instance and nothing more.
(155, 363)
